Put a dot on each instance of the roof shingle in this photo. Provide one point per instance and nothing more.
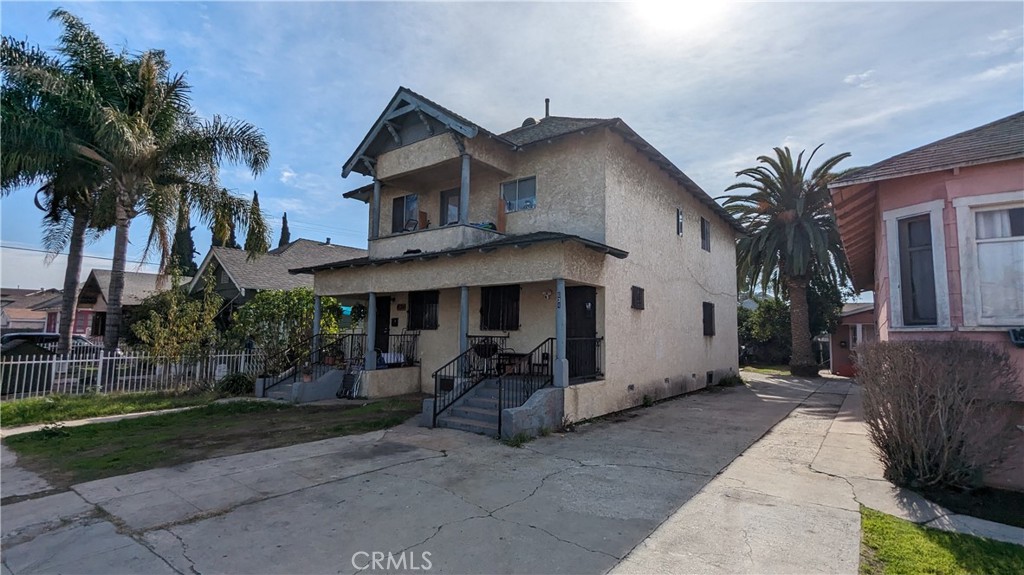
(270, 270)
(996, 141)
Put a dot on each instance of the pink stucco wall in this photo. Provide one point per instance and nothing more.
(947, 186)
(842, 357)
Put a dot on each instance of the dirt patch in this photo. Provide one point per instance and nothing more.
(996, 505)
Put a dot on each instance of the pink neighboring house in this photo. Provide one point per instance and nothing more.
(938, 234)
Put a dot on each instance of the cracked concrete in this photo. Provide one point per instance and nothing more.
(568, 503)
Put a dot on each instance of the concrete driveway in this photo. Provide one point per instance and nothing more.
(435, 500)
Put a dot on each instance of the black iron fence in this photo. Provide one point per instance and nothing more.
(586, 358)
(522, 374)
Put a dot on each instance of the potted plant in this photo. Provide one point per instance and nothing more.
(307, 373)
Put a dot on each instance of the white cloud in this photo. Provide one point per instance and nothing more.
(287, 175)
(860, 80)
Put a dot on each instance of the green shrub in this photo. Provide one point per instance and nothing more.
(731, 381)
(518, 440)
(936, 411)
(236, 384)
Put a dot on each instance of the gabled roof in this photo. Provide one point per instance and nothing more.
(520, 241)
(270, 270)
(13, 298)
(406, 102)
(856, 308)
(551, 127)
(996, 141)
(137, 286)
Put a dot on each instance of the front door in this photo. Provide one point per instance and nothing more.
(383, 323)
(581, 331)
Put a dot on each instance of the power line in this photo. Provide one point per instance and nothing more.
(40, 251)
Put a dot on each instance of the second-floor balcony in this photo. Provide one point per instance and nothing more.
(435, 239)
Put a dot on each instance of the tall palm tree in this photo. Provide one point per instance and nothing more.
(40, 125)
(791, 235)
(138, 128)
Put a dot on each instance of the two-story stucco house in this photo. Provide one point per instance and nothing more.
(938, 234)
(566, 257)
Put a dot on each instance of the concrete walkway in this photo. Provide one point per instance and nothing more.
(790, 503)
(568, 503)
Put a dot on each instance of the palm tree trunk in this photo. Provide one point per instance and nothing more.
(69, 301)
(113, 325)
(802, 361)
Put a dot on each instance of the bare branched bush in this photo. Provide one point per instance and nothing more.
(936, 411)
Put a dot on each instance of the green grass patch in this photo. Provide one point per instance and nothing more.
(66, 456)
(893, 546)
(54, 408)
(767, 369)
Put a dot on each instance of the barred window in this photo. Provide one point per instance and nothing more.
(422, 310)
(499, 308)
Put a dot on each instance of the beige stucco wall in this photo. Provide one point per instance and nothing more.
(391, 382)
(431, 240)
(417, 155)
(437, 347)
(570, 184)
(660, 350)
(510, 265)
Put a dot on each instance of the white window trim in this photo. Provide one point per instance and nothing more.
(970, 286)
(892, 246)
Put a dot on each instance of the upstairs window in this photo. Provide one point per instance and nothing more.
(917, 271)
(422, 310)
(499, 308)
(405, 214)
(705, 235)
(679, 221)
(637, 298)
(450, 207)
(519, 195)
(708, 309)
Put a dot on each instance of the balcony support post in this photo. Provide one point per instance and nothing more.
(375, 211)
(463, 319)
(464, 191)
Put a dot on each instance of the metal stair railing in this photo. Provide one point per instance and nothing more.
(457, 377)
(523, 375)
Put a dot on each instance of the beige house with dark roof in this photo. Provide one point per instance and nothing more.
(239, 277)
(562, 269)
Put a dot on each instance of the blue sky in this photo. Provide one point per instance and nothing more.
(712, 85)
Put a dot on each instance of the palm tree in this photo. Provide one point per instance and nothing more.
(138, 129)
(791, 235)
(40, 127)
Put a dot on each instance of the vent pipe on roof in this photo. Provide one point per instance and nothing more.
(328, 242)
(547, 107)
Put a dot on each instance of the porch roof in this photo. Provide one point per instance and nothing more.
(519, 241)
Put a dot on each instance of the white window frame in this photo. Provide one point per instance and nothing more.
(970, 281)
(891, 219)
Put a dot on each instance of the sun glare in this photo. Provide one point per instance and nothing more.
(680, 15)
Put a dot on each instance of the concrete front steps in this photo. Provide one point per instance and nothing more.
(281, 391)
(475, 412)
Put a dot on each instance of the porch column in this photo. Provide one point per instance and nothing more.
(463, 319)
(464, 191)
(561, 364)
(316, 325)
(375, 211)
(370, 357)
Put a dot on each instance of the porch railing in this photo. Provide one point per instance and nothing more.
(315, 357)
(455, 378)
(586, 358)
(402, 351)
(522, 375)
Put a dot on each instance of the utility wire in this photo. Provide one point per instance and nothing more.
(42, 251)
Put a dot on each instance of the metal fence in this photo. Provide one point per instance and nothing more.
(39, 375)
